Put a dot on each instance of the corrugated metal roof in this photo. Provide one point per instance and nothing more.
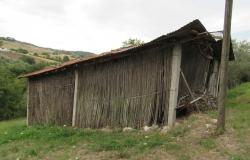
(192, 29)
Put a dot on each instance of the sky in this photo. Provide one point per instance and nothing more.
(101, 25)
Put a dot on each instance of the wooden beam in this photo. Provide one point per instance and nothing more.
(189, 90)
(174, 86)
(75, 98)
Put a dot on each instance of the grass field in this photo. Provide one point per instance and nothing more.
(192, 138)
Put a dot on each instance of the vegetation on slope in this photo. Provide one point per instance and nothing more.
(17, 58)
(192, 138)
(239, 70)
(13, 90)
(39, 53)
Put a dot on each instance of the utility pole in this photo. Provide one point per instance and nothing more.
(223, 75)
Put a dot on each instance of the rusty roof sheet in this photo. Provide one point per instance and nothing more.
(192, 29)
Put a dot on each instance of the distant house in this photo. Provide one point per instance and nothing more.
(127, 87)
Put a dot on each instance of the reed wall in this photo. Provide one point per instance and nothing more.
(51, 99)
(131, 91)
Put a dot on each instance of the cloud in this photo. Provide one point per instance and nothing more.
(98, 25)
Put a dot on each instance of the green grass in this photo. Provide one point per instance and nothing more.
(238, 104)
(40, 140)
(187, 140)
(238, 118)
(208, 143)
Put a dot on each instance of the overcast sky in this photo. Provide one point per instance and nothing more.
(102, 25)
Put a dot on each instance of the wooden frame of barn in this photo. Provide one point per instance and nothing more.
(127, 87)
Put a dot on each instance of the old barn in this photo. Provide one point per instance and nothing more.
(127, 87)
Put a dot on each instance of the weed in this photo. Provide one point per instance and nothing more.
(172, 146)
(208, 143)
(123, 154)
(238, 157)
(184, 157)
(179, 131)
(32, 152)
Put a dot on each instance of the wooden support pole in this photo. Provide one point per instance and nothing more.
(28, 94)
(223, 74)
(75, 99)
(174, 88)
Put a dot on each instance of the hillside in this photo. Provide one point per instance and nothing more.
(192, 139)
(11, 48)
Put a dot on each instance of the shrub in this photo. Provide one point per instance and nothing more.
(65, 58)
(45, 53)
(20, 50)
(47, 56)
(28, 60)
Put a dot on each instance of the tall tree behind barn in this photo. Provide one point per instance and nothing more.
(129, 86)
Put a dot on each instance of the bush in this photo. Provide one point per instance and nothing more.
(47, 56)
(20, 50)
(65, 58)
(57, 58)
(45, 53)
(28, 60)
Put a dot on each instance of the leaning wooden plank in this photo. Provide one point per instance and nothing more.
(189, 90)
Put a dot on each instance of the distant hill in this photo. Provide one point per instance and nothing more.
(14, 49)
(81, 53)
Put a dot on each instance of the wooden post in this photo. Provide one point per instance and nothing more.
(75, 99)
(174, 88)
(28, 123)
(223, 74)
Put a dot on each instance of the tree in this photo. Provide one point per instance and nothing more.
(65, 58)
(132, 42)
